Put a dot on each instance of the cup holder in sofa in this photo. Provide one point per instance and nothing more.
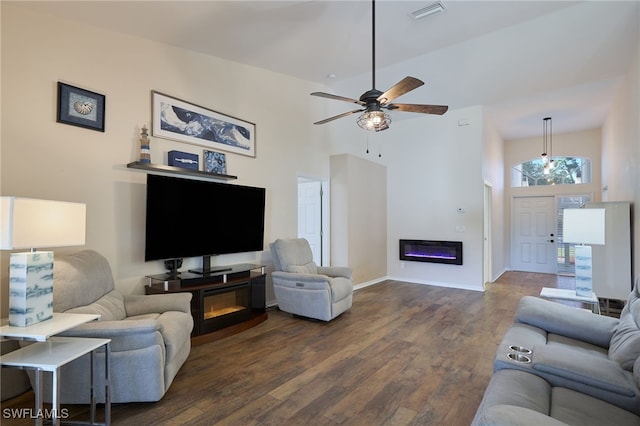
(519, 357)
(520, 349)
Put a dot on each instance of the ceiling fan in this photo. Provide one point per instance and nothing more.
(374, 101)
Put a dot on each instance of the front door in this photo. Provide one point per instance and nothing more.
(533, 236)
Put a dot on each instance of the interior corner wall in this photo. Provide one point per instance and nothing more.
(41, 158)
(621, 150)
(435, 169)
(493, 173)
(359, 216)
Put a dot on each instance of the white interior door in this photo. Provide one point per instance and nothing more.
(533, 236)
(310, 216)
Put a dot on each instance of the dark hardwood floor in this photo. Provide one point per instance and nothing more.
(405, 354)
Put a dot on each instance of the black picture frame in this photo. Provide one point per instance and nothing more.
(80, 107)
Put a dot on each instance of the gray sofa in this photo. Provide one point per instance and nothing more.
(582, 368)
(150, 335)
(303, 288)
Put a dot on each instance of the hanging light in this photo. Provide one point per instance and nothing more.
(547, 142)
(374, 120)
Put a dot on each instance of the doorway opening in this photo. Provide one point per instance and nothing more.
(487, 261)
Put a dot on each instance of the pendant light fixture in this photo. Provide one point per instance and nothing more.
(547, 142)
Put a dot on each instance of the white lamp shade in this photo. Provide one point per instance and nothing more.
(583, 226)
(32, 223)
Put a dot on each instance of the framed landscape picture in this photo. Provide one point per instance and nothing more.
(185, 122)
(80, 107)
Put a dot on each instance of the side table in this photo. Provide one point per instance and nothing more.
(50, 353)
(564, 294)
(51, 356)
(41, 331)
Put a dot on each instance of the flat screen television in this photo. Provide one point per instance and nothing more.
(189, 218)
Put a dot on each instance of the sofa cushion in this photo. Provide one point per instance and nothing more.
(625, 343)
(307, 268)
(110, 307)
(575, 365)
(292, 252)
(575, 408)
(519, 398)
(86, 277)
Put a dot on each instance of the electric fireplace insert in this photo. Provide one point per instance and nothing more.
(431, 251)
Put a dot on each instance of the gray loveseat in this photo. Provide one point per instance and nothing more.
(150, 335)
(583, 369)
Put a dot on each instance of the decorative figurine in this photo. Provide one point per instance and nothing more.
(145, 150)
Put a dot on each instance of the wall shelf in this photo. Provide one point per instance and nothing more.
(160, 168)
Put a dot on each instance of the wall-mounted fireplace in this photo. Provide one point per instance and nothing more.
(431, 251)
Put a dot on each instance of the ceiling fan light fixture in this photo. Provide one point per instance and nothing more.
(429, 10)
(375, 121)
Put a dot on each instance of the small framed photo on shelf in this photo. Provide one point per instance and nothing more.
(80, 107)
(215, 162)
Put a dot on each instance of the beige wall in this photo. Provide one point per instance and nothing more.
(44, 159)
(621, 150)
(359, 216)
(493, 173)
(434, 169)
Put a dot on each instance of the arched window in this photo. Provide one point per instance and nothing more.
(565, 171)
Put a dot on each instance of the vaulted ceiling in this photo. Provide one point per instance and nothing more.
(524, 60)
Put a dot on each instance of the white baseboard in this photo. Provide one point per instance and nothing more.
(437, 284)
(368, 283)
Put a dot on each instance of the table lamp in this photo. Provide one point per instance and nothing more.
(583, 226)
(30, 223)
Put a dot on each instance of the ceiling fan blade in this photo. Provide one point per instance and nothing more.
(335, 117)
(337, 98)
(424, 109)
(405, 85)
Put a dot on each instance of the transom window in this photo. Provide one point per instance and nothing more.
(565, 171)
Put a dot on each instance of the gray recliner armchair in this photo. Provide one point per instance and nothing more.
(150, 335)
(303, 288)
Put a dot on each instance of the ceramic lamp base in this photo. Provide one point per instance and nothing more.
(584, 273)
(30, 288)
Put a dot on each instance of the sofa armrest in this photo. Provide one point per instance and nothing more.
(157, 303)
(335, 271)
(507, 415)
(295, 280)
(581, 367)
(566, 321)
(124, 334)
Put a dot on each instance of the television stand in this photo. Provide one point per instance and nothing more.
(223, 302)
(202, 271)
